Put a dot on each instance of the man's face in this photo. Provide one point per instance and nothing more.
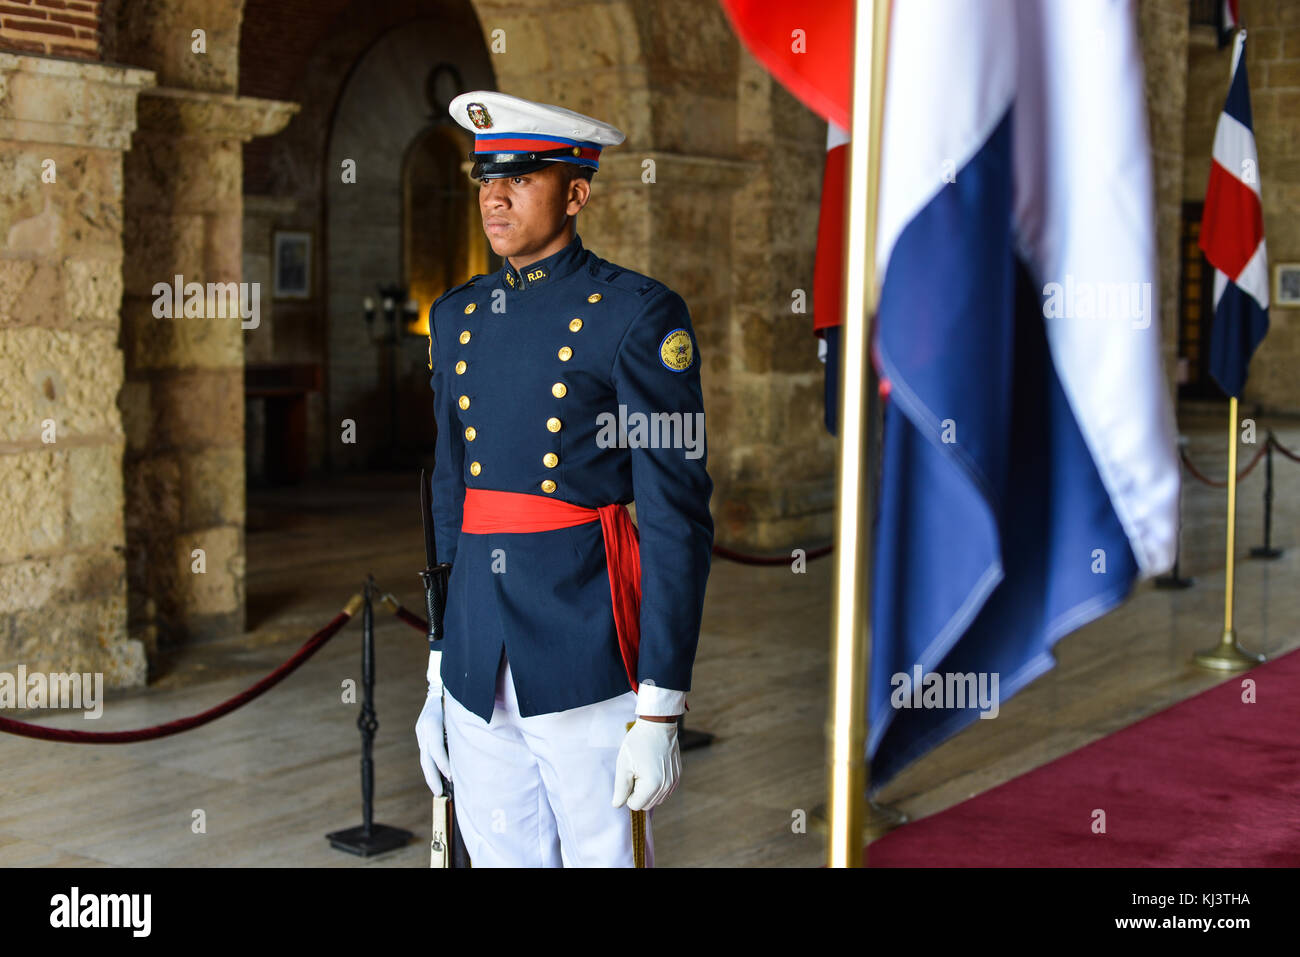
(524, 214)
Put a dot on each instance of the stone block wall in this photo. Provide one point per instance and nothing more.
(63, 129)
(183, 390)
(183, 395)
(1163, 36)
(781, 460)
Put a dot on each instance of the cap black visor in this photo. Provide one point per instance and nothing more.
(491, 170)
(497, 165)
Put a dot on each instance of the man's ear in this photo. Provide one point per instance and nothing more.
(579, 193)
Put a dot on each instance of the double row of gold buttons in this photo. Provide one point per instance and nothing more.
(559, 389)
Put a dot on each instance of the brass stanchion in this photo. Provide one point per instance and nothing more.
(846, 731)
(1228, 655)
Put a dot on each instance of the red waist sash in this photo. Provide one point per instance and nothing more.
(492, 510)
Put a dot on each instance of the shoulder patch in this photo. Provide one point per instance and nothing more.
(675, 350)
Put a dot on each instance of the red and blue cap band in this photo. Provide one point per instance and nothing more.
(503, 147)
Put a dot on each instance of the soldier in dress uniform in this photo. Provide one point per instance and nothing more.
(564, 388)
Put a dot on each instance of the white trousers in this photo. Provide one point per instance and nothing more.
(536, 792)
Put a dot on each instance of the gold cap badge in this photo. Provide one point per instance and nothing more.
(479, 116)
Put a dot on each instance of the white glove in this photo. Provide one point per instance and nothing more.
(428, 730)
(649, 765)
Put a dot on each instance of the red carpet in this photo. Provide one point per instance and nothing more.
(1210, 782)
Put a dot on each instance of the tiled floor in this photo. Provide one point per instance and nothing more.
(272, 778)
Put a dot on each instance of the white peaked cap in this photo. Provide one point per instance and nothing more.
(514, 136)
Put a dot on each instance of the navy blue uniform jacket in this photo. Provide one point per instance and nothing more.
(524, 365)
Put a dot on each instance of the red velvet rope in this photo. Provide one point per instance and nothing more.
(1284, 450)
(1202, 477)
(413, 620)
(402, 613)
(309, 648)
(745, 559)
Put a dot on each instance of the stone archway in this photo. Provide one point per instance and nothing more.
(382, 112)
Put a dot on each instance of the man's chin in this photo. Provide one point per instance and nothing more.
(502, 246)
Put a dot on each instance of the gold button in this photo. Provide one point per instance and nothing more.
(475, 468)
(548, 486)
(575, 324)
(470, 432)
(553, 424)
(550, 460)
(460, 367)
(464, 336)
(464, 402)
(557, 390)
(470, 308)
(577, 151)
(594, 297)
(565, 353)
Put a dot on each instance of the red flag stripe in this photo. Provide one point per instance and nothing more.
(1232, 224)
(828, 269)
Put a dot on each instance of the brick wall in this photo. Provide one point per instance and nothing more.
(69, 28)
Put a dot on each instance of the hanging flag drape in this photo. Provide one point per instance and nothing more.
(1029, 470)
(1029, 475)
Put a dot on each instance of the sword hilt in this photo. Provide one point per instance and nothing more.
(435, 598)
(638, 830)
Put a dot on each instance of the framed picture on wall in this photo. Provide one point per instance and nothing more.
(292, 264)
(1286, 284)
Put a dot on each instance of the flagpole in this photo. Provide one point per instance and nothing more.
(846, 731)
(1228, 655)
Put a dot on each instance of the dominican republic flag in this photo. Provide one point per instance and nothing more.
(1232, 236)
(1029, 475)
